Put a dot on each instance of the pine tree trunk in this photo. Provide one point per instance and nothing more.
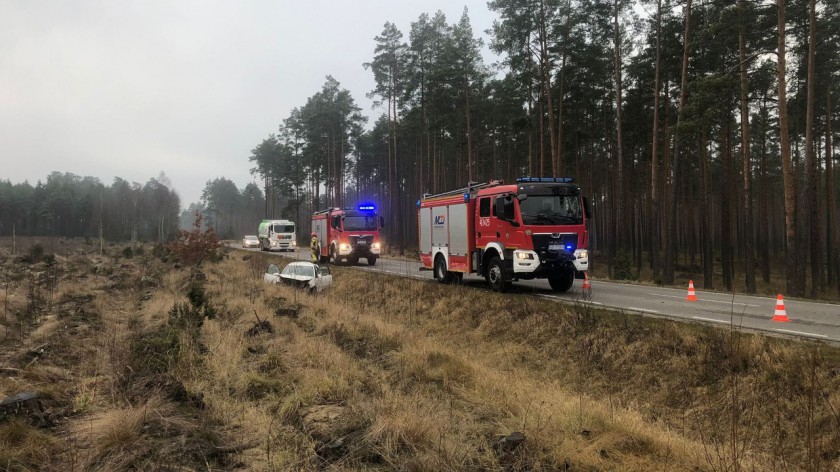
(812, 225)
(621, 201)
(546, 67)
(706, 215)
(748, 234)
(763, 224)
(726, 209)
(833, 230)
(670, 253)
(788, 177)
(654, 153)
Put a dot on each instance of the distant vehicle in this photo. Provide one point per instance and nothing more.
(277, 235)
(349, 233)
(300, 274)
(250, 241)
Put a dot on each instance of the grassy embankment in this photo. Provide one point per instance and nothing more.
(383, 373)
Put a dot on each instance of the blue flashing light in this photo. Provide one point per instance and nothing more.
(559, 180)
(466, 197)
(570, 247)
(366, 207)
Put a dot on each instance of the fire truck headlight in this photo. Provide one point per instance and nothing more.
(344, 247)
(524, 256)
(582, 254)
(376, 245)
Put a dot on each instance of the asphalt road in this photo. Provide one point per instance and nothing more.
(808, 319)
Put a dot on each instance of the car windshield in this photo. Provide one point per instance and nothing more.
(250, 238)
(284, 228)
(551, 210)
(305, 270)
(361, 223)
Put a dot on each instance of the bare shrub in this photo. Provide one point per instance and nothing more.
(193, 247)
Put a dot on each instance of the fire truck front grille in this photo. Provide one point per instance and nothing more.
(554, 246)
(364, 240)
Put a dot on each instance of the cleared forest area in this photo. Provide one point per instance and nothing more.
(139, 363)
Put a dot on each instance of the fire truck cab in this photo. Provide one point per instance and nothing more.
(348, 233)
(535, 228)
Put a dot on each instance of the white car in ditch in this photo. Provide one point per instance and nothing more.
(300, 274)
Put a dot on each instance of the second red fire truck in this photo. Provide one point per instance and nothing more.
(534, 228)
(349, 233)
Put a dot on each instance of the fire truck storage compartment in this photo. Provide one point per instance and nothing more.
(458, 237)
(444, 226)
(425, 230)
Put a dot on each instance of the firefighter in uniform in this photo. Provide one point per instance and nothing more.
(315, 245)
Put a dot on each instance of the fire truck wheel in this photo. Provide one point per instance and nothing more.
(332, 256)
(496, 277)
(371, 260)
(441, 274)
(562, 282)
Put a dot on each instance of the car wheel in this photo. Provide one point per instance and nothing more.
(496, 277)
(562, 282)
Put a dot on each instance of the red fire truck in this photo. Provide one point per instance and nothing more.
(348, 233)
(535, 228)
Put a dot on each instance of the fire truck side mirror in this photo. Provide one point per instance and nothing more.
(586, 208)
(381, 221)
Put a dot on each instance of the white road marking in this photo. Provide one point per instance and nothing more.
(703, 300)
(802, 333)
(641, 309)
(710, 319)
(555, 297)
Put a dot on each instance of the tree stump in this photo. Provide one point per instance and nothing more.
(24, 404)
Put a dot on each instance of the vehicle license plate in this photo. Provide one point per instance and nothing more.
(554, 247)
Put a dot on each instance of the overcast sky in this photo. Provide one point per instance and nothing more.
(133, 88)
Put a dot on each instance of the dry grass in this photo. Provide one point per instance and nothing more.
(383, 373)
(428, 377)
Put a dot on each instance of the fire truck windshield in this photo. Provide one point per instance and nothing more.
(361, 223)
(551, 210)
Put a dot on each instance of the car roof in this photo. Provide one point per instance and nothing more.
(301, 263)
(251, 236)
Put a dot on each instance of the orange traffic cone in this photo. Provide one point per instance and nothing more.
(780, 314)
(691, 297)
(586, 285)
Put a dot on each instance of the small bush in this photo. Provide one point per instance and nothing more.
(623, 267)
(35, 254)
(128, 253)
(192, 315)
(156, 352)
